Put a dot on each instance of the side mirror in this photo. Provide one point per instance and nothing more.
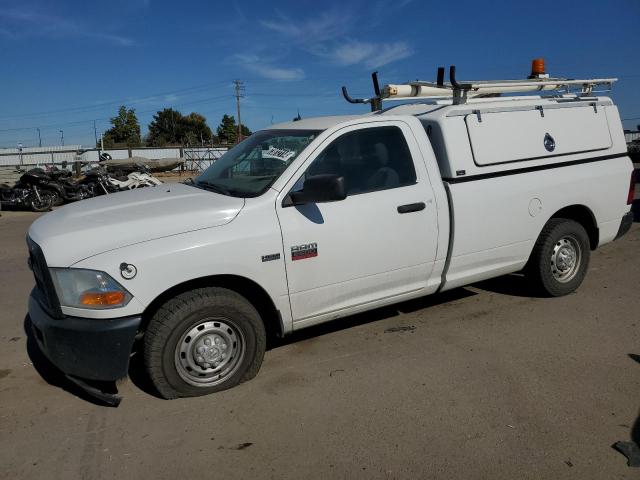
(318, 189)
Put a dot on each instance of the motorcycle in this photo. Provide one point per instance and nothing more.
(135, 180)
(60, 185)
(27, 193)
(65, 188)
(44, 182)
(101, 181)
(96, 181)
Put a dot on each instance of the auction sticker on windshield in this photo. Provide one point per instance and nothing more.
(279, 153)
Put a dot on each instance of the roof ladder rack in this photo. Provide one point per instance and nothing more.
(460, 92)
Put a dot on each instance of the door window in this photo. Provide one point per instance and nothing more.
(369, 160)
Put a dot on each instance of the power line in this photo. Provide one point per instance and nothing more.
(194, 102)
(98, 106)
(89, 120)
(82, 124)
(310, 95)
(129, 101)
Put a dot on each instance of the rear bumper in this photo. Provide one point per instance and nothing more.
(93, 349)
(625, 224)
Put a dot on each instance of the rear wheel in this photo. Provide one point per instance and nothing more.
(560, 257)
(203, 341)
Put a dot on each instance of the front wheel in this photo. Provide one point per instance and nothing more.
(41, 202)
(203, 341)
(56, 198)
(560, 257)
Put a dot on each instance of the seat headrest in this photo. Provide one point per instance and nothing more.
(382, 153)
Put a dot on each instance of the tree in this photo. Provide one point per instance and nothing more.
(165, 128)
(170, 127)
(244, 132)
(196, 129)
(125, 130)
(228, 130)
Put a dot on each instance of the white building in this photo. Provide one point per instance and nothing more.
(631, 135)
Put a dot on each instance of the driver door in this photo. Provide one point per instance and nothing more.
(376, 246)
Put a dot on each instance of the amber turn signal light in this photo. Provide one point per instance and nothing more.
(111, 298)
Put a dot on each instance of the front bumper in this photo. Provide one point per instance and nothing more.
(93, 349)
(625, 224)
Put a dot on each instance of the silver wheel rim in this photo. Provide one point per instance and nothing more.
(566, 258)
(209, 352)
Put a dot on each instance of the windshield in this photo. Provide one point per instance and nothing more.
(251, 167)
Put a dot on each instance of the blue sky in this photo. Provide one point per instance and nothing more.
(67, 63)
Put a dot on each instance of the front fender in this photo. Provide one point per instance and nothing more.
(236, 248)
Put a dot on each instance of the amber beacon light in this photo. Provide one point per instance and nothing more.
(537, 68)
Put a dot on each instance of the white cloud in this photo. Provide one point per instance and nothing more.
(352, 53)
(267, 69)
(388, 52)
(328, 35)
(320, 28)
(370, 54)
(285, 27)
(21, 23)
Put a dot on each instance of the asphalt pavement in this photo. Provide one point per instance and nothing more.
(480, 382)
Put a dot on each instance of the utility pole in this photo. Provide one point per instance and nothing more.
(95, 132)
(61, 137)
(39, 138)
(239, 86)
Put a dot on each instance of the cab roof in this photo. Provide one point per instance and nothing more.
(314, 123)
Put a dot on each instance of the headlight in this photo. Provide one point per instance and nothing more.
(81, 288)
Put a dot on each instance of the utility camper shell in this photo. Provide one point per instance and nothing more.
(486, 136)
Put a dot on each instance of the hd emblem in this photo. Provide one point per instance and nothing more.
(270, 257)
(307, 250)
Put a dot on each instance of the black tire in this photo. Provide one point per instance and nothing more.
(43, 204)
(169, 329)
(545, 266)
(56, 198)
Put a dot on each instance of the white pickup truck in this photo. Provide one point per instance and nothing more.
(313, 220)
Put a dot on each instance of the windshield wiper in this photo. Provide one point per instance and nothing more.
(213, 187)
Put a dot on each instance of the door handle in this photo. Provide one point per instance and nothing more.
(411, 207)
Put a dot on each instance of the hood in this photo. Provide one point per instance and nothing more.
(96, 225)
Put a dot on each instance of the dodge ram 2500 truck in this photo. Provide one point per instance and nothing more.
(312, 220)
